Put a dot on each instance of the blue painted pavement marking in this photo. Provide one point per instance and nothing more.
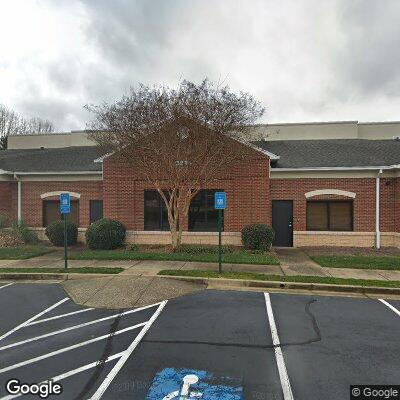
(185, 384)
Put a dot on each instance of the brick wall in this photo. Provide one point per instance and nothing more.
(397, 204)
(388, 205)
(364, 202)
(5, 200)
(247, 187)
(32, 212)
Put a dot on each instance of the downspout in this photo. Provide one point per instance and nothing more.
(377, 211)
(19, 201)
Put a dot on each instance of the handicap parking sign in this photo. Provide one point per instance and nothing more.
(220, 200)
(65, 203)
(187, 384)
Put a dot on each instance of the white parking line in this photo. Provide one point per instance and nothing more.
(59, 316)
(9, 346)
(393, 308)
(283, 375)
(75, 371)
(74, 346)
(120, 363)
(33, 318)
(8, 284)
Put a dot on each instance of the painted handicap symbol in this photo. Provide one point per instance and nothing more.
(184, 393)
(189, 384)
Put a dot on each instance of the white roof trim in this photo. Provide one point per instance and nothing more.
(384, 167)
(270, 155)
(330, 191)
(60, 173)
(58, 192)
(3, 172)
(100, 159)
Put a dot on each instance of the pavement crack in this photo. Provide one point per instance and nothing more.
(222, 344)
(316, 329)
(108, 348)
(316, 338)
(383, 276)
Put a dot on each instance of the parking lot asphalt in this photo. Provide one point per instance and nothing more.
(207, 345)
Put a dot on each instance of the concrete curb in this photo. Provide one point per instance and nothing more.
(48, 276)
(289, 285)
(220, 281)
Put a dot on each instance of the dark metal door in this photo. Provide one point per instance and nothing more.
(282, 222)
(96, 210)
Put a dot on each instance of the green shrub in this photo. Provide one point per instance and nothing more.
(20, 229)
(105, 234)
(257, 237)
(133, 247)
(203, 249)
(55, 233)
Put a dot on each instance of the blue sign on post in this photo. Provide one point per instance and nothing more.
(220, 200)
(65, 208)
(65, 203)
(220, 204)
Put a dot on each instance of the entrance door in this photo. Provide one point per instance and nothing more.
(282, 222)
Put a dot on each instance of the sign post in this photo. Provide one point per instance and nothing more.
(65, 209)
(220, 204)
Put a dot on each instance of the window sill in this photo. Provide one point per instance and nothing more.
(186, 233)
(331, 233)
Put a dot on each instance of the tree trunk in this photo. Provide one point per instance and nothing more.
(178, 204)
(176, 238)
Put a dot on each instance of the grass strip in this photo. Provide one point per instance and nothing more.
(83, 270)
(23, 252)
(358, 262)
(279, 278)
(239, 257)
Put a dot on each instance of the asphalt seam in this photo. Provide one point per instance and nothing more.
(98, 290)
(144, 291)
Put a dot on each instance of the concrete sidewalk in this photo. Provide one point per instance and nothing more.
(293, 262)
(138, 285)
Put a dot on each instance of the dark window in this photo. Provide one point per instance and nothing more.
(51, 212)
(96, 210)
(203, 217)
(329, 215)
(155, 212)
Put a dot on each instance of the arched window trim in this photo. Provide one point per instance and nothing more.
(58, 192)
(336, 192)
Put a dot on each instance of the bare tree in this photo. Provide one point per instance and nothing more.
(180, 139)
(12, 123)
(36, 125)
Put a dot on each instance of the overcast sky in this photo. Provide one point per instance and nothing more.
(305, 60)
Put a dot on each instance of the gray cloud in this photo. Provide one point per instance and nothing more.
(370, 59)
(305, 60)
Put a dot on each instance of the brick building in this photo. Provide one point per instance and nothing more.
(333, 184)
